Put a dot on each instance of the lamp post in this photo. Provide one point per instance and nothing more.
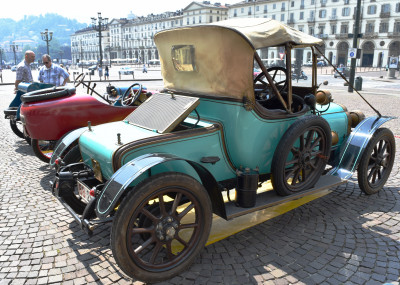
(47, 37)
(14, 48)
(99, 25)
(1, 57)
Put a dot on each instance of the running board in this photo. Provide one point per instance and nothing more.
(270, 198)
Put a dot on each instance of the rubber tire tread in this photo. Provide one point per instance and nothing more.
(287, 140)
(362, 172)
(14, 128)
(47, 93)
(38, 152)
(127, 208)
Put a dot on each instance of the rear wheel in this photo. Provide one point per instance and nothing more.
(17, 127)
(376, 162)
(43, 149)
(301, 155)
(161, 227)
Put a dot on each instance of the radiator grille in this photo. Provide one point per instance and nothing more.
(163, 112)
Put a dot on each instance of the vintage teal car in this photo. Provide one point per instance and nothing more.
(214, 130)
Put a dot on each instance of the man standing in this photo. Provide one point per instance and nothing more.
(51, 73)
(24, 73)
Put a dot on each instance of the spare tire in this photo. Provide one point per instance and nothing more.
(47, 93)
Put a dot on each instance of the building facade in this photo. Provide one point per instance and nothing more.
(331, 20)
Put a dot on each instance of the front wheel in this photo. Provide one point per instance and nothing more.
(376, 162)
(43, 149)
(161, 227)
(17, 127)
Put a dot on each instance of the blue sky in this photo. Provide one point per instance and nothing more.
(83, 10)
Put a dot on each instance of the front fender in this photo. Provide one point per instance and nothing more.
(120, 181)
(352, 150)
(66, 142)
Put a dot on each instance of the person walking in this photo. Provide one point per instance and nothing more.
(24, 72)
(51, 73)
(144, 68)
(106, 73)
(100, 70)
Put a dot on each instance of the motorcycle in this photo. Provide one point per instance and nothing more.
(295, 76)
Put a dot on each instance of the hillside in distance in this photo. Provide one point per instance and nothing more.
(30, 27)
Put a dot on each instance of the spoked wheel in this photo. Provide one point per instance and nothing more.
(17, 127)
(79, 80)
(43, 149)
(279, 76)
(377, 161)
(301, 155)
(161, 227)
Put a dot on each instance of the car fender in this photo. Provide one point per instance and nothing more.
(353, 149)
(65, 142)
(122, 179)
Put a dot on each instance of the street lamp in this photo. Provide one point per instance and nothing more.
(47, 37)
(14, 48)
(99, 25)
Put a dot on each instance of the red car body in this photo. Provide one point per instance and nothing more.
(51, 119)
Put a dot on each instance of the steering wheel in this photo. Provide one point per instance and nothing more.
(79, 80)
(130, 97)
(274, 72)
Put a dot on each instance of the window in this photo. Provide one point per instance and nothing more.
(274, 6)
(183, 58)
(199, 19)
(311, 30)
(273, 17)
(369, 28)
(346, 2)
(346, 11)
(292, 4)
(265, 9)
(283, 6)
(333, 29)
(385, 8)
(312, 2)
(323, 2)
(322, 13)
(301, 15)
(334, 12)
(257, 8)
(383, 27)
(396, 28)
(398, 7)
(242, 10)
(371, 10)
(249, 11)
(194, 20)
(282, 17)
(344, 29)
(235, 13)
(211, 19)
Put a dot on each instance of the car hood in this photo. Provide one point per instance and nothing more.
(99, 144)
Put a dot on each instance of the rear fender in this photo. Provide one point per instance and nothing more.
(352, 151)
(120, 181)
(65, 142)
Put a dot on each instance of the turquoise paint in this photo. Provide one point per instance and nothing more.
(249, 139)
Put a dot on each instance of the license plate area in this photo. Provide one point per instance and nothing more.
(84, 187)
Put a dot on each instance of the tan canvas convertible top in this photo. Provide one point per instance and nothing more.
(222, 54)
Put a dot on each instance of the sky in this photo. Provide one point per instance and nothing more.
(83, 10)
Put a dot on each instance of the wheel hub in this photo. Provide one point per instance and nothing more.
(166, 229)
(305, 158)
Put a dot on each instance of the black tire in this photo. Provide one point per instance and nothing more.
(48, 93)
(154, 259)
(301, 155)
(43, 149)
(74, 156)
(17, 127)
(376, 161)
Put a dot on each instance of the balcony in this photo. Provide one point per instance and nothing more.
(323, 3)
(290, 22)
(301, 6)
(333, 18)
(341, 36)
(311, 20)
(370, 35)
(321, 36)
(394, 35)
(385, 15)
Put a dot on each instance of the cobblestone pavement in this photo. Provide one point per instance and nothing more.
(344, 237)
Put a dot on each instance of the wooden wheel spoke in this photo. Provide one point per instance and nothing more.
(302, 142)
(184, 212)
(292, 162)
(162, 205)
(149, 215)
(309, 139)
(291, 171)
(188, 226)
(169, 251)
(315, 143)
(183, 242)
(176, 203)
(296, 176)
(156, 251)
(142, 230)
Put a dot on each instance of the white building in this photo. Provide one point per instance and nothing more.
(331, 20)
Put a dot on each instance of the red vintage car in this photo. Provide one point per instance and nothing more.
(48, 114)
